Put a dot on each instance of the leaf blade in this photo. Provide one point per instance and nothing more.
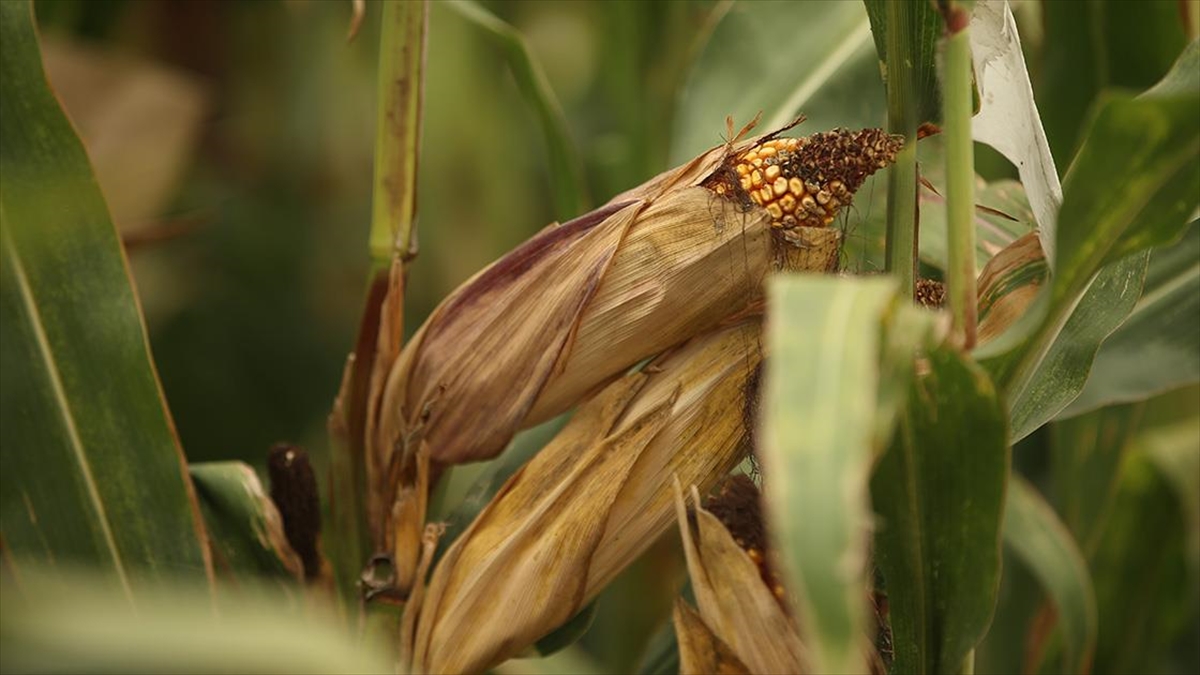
(566, 170)
(89, 456)
(940, 507)
(826, 65)
(1133, 185)
(823, 420)
(245, 528)
(1042, 541)
(1154, 350)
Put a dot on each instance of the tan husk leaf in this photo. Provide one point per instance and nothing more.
(585, 506)
(705, 438)
(701, 652)
(690, 261)
(732, 598)
(538, 543)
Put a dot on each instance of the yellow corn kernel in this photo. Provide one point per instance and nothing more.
(780, 186)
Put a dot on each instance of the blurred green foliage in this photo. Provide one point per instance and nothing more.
(1089, 47)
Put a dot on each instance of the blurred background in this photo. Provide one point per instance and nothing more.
(234, 141)
(234, 144)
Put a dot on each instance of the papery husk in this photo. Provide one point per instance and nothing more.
(1009, 284)
(585, 506)
(734, 603)
(700, 651)
(570, 310)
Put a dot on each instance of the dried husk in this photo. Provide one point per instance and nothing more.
(733, 602)
(585, 506)
(567, 312)
(701, 652)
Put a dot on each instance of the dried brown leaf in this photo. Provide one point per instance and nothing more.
(522, 566)
(1008, 285)
(701, 652)
(587, 505)
(732, 598)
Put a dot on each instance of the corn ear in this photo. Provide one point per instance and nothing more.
(575, 306)
(585, 506)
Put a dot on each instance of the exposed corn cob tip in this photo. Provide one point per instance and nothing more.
(737, 504)
(930, 293)
(803, 182)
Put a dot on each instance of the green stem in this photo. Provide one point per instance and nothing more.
(960, 182)
(567, 184)
(398, 130)
(391, 242)
(902, 119)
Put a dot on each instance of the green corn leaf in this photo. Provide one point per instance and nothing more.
(1134, 184)
(1086, 454)
(781, 59)
(1145, 586)
(833, 388)
(938, 493)
(1090, 47)
(1045, 545)
(1175, 451)
(245, 529)
(78, 623)
(1155, 349)
(93, 473)
(566, 171)
(1064, 368)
